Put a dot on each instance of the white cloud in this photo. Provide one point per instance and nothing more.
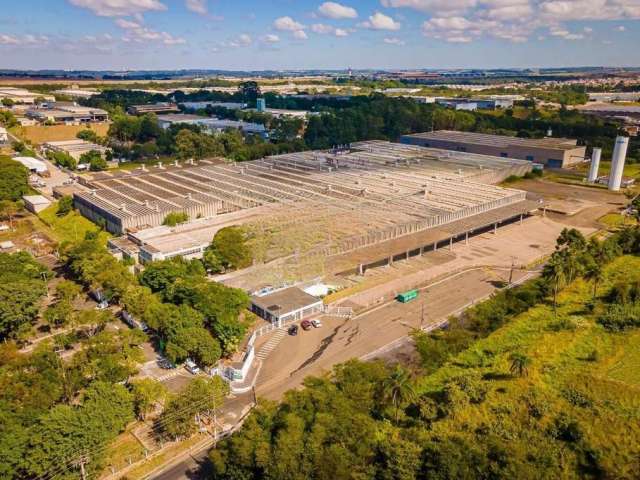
(621, 28)
(243, 40)
(271, 38)
(394, 41)
(588, 29)
(565, 34)
(136, 32)
(285, 24)
(197, 6)
(300, 35)
(380, 21)
(336, 11)
(431, 6)
(322, 28)
(119, 8)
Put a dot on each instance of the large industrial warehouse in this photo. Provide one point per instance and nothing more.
(549, 151)
(311, 205)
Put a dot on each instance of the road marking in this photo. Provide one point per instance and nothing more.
(273, 342)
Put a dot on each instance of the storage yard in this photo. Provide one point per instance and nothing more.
(352, 206)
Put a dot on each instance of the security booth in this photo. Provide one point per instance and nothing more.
(285, 306)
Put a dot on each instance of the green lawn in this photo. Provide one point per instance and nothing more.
(70, 228)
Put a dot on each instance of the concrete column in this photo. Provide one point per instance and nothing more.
(407, 255)
(422, 250)
(495, 228)
(466, 238)
(435, 246)
(391, 260)
(451, 243)
(360, 269)
(521, 216)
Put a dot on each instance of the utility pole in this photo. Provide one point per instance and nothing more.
(422, 315)
(511, 271)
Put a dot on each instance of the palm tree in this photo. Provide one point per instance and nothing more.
(594, 274)
(519, 364)
(398, 388)
(555, 271)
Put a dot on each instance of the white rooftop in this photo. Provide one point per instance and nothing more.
(32, 163)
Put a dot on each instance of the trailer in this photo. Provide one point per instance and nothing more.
(406, 297)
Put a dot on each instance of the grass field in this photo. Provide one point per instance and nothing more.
(70, 228)
(578, 369)
(39, 134)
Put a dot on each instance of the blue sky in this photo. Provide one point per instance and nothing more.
(279, 34)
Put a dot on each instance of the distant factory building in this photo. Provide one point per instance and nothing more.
(75, 92)
(67, 113)
(203, 105)
(161, 107)
(23, 96)
(211, 125)
(280, 112)
(551, 152)
(475, 103)
(75, 148)
(614, 96)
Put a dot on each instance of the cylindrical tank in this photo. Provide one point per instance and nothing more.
(595, 164)
(617, 162)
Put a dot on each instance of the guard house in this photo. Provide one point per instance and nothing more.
(285, 306)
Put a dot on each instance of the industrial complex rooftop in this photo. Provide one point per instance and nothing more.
(313, 205)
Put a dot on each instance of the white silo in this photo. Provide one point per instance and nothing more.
(595, 164)
(617, 162)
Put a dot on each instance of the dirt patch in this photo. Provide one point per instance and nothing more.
(38, 134)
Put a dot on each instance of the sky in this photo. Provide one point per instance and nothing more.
(305, 34)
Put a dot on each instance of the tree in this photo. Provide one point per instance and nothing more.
(63, 159)
(200, 396)
(147, 393)
(87, 135)
(95, 160)
(228, 250)
(14, 179)
(594, 274)
(65, 205)
(174, 218)
(398, 388)
(554, 270)
(519, 364)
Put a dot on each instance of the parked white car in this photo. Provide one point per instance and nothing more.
(191, 367)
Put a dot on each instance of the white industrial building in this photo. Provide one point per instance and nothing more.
(35, 203)
(75, 92)
(211, 124)
(4, 136)
(33, 164)
(21, 95)
(203, 105)
(286, 305)
(75, 148)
